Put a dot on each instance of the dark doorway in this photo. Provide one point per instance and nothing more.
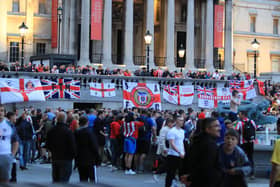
(119, 47)
(84, 106)
(181, 39)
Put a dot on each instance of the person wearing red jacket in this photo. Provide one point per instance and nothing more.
(115, 137)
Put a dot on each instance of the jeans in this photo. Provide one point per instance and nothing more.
(248, 148)
(115, 148)
(24, 152)
(173, 164)
(86, 173)
(61, 170)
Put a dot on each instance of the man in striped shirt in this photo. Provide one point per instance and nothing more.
(246, 144)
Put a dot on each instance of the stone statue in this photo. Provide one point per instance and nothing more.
(255, 110)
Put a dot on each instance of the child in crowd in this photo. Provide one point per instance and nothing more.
(234, 161)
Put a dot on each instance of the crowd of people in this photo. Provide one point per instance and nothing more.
(197, 146)
(90, 70)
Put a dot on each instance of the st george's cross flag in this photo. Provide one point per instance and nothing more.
(102, 89)
(20, 90)
(61, 88)
(141, 95)
(178, 95)
(245, 88)
(211, 97)
(207, 97)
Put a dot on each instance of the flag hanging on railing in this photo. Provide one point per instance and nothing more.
(178, 95)
(102, 89)
(20, 90)
(141, 95)
(61, 88)
(245, 88)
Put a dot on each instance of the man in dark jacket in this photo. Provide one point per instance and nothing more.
(87, 151)
(60, 141)
(204, 167)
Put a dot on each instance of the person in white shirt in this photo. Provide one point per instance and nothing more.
(176, 150)
(162, 148)
(7, 142)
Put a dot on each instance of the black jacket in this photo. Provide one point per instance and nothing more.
(203, 164)
(60, 141)
(24, 130)
(87, 148)
(99, 126)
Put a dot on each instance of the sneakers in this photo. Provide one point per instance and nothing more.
(155, 176)
(129, 172)
(114, 168)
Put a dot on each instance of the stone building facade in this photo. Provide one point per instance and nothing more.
(171, 22)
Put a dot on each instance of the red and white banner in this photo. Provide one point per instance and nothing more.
(96, 19)
(54, 23)
(102, 89)
(261, 87)
(245, 88)
(21, 90)
(219, 26)
(141, 95)
(178, 95)
(210, 97)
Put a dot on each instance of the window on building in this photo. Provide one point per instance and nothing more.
(14, 51)
(40, 48)
(253, 24)
(15, 7)
(42, 7)
(275, 63)
(275, 26)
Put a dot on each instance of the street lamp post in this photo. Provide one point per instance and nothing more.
(181, 53)
(22, 29)
(148, 40)
(255, 45)
(59, 14)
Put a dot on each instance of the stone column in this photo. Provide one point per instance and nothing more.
(228, 37)
(170, 46)
(150, 27)
(203, 29)
(128, 34)
(85, 21)
(209, 36)
(29, 39)
(107, 34)
(190, 36)
(65, 25)
(3, 31)
(72, 23)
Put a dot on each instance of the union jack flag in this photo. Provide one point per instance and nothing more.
(61, 88)
(172, 90)
(236, 84)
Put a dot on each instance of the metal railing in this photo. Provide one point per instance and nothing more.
(218, 64)
(160, 61)
(199, 63)
(96, 58)
(117, 59)
(139, 60)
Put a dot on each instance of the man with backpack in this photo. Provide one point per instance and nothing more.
(247, 131)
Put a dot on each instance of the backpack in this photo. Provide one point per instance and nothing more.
(249, 131)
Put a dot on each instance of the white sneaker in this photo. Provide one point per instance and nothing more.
(114, 169)
(126, 172)
(131, 172)
(155, 176)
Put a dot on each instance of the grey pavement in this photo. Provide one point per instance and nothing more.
(40, 174)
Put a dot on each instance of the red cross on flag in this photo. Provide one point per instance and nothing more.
(21, 90)
(178, 95)
(102, 89)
